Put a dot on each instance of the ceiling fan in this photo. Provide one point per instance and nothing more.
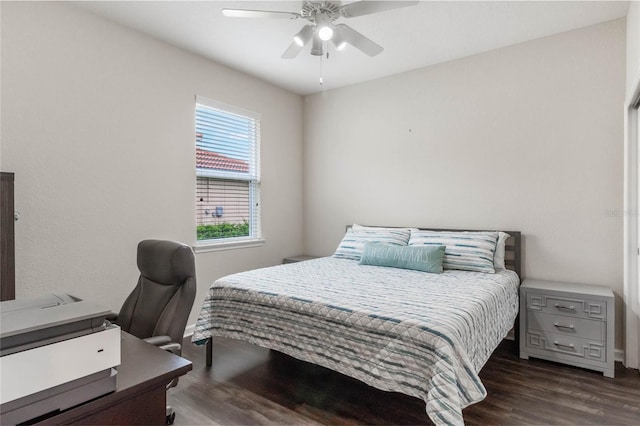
(321, 15)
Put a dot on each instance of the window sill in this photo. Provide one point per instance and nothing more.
(205, 247)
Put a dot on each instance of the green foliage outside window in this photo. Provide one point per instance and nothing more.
(222, 230)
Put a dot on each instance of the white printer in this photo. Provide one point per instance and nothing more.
(56, 351)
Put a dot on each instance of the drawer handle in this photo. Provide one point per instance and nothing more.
(564, 345)
(570, 326)
(568, 307)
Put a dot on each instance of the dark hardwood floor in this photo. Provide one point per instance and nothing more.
(249, 385)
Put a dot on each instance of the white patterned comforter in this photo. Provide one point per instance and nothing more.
(421, 334)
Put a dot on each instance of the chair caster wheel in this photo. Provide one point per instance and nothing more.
(171, 418)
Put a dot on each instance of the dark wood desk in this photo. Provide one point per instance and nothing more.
(140, 398)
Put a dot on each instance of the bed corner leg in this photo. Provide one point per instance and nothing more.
(517, 334)
(209, 351)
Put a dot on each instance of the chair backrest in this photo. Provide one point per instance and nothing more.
(161, 302)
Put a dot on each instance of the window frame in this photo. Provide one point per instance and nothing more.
(254, 239)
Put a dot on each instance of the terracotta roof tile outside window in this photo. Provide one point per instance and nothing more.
(212, 160)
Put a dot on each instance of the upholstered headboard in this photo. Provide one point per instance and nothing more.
(512, 259)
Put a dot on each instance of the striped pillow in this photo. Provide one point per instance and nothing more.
(466, 251)
(352, 244)
(498, 258)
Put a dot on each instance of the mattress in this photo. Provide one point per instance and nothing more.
(421, 334)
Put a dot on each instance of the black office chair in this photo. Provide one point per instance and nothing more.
(158, 308)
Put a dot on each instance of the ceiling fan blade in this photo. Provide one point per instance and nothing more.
(244, 13)
(292, 51)
(357, 40)
(368, 7)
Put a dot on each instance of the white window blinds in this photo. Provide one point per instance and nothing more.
(227, 171)
(233, 134)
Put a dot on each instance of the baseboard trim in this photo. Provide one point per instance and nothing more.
(618, 355)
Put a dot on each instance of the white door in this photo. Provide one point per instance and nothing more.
(632, 233)
(636, 216)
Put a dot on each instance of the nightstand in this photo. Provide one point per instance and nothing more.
(299, 258)
(568, 323)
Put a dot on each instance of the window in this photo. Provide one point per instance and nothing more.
(227, 174)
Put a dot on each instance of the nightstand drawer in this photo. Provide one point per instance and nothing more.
(567, 325)
(568, 345)
(579, 308)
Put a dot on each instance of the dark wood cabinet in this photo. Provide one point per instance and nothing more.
(7, 238)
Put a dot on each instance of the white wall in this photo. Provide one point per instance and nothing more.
(633, 45)
(98, 126)
(527, 138)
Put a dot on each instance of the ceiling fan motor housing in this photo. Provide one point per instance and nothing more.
(312, 8)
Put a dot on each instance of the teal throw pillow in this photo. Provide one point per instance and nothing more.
(419, 258)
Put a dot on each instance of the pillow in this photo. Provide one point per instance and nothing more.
(498, 258)
(466, 251)
(419, 258)
(352, 243)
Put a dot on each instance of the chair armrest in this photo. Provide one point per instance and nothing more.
(158, 340)
(172, 347)
(164, 343)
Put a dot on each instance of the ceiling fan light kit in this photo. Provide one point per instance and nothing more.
(324, 27)
(338, 39)
(304, 35)
(321, 15)
(316, 46)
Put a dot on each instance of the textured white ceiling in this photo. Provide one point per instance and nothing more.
(413, 37)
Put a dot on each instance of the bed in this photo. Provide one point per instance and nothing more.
(422, 334)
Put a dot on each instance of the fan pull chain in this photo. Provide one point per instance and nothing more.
(321, 81)
(326, 49)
